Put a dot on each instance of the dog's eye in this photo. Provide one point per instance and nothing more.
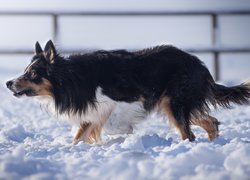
(33, 74)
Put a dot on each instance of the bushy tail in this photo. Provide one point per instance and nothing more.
(224, 96)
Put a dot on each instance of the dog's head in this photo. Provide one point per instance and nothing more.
(35, 80)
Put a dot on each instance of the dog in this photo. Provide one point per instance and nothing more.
(87, 87)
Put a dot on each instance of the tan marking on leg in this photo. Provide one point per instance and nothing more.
(81, 133)
(87, 135)
(96, 133)
(209, 124)
(165, 108)
(89, 132)
(78, 133)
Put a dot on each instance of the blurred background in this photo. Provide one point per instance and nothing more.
(217, 31)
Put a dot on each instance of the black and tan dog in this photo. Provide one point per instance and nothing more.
(87, 87)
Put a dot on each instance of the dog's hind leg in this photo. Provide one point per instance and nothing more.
(178, 117)
(209, 124)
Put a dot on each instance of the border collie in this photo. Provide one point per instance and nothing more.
(87, 87)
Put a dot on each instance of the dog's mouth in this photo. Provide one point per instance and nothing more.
(27, 92)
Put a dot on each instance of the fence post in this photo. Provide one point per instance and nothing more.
(55, 28)
(214, 43)
(216, 66)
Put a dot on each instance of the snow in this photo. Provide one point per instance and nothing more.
(36, 145)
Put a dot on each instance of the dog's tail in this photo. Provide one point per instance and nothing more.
(224, 96)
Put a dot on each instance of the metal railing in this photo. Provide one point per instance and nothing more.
(214, 49)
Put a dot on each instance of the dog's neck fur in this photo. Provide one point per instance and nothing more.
(68, 88)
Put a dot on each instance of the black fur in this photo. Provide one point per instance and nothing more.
(237, 94)
(147, 75)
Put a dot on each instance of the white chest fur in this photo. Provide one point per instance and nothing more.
(94, 115)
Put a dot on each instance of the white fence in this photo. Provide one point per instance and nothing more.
(213, 49)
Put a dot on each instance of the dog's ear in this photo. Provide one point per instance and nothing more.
(38, 48)
(50, 52)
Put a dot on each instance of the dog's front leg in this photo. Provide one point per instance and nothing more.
(78, 136)
(88, 133)
(83, 133)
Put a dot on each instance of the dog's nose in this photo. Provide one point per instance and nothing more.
(9, 84)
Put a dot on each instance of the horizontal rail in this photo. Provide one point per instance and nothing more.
(219, 50)
(127, 13)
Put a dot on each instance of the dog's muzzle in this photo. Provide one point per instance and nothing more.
(9, 84)
(19, 91)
